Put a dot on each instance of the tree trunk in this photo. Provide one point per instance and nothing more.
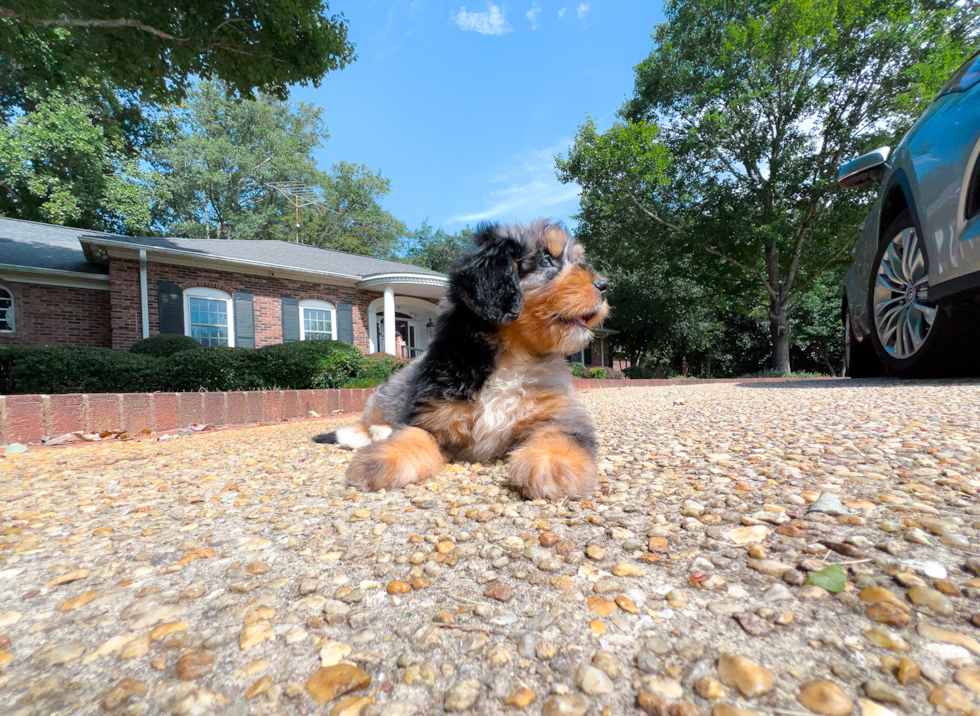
(779, 332)
(830, 367)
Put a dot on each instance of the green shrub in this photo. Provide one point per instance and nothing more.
(598, 373)
(303, 365)
(363, 383)
(379, 367)
(77, 369)
(211, 369)
(164, 345)
(578, 370)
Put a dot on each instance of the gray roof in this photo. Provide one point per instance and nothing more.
(27, 243)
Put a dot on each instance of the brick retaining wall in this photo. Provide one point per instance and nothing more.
(27, 418)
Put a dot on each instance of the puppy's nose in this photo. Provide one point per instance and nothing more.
(602, 286)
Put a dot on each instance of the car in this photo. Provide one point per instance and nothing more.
(911, 303)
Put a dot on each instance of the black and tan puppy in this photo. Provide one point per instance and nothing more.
(493, 382)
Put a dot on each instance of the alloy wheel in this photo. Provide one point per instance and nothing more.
(903, 315)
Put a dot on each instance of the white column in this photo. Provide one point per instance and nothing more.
(389, 318)
(144, 303)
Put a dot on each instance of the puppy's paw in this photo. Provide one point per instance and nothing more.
(553, 466)
(354, 435)
(408, 455)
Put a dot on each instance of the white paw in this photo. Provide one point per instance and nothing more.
(353, 436)
(379, 432)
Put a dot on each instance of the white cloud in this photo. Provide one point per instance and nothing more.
(528, 190)
(582, 9)
(532, 15)
(561, 13)
(491, 22)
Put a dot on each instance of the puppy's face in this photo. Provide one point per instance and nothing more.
(563, 297)
(532, 285)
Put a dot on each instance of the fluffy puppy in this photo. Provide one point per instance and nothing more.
(493, 381)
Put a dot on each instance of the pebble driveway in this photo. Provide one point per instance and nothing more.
(234, 572)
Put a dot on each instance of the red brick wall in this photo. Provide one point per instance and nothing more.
(266, 290)
(58, 316)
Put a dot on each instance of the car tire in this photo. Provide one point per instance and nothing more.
(860, 359)
(911, 336)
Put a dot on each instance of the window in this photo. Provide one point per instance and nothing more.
(319, 320)
(6, 311)
(208, 316)
(576, 357)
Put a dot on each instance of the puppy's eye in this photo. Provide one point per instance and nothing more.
(546, 260)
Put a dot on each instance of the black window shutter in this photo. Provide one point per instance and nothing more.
(345, 323)
(588, 354)
(290, 319)
(244, 320)
(171, 300)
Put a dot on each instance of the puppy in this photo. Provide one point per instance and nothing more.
(493, 382)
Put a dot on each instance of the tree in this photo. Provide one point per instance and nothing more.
(76, 160)
(350, 217)
(818, 332)
(156, 49)
(434, 248)
(216, 166)
(742, 116)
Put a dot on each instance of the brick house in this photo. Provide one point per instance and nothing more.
(66, 286)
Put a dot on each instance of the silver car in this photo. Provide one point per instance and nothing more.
(912, 294)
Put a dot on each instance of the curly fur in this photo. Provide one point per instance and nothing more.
(493, 382)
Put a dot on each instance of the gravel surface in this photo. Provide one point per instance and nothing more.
(234, 572)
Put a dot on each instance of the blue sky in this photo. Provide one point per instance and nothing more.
(463, 105)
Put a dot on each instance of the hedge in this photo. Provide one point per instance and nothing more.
(164, 345)
(291, 366)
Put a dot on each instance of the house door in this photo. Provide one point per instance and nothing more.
(406, 328)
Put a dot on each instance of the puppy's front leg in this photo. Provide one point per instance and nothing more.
(551, 464)
(408, 455)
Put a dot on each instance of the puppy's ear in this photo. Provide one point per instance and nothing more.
(484, 276)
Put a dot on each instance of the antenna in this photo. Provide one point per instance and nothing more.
(299, 195)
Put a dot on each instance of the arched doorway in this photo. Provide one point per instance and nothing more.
(414, 319)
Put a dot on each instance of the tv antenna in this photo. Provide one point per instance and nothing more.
(300, 195)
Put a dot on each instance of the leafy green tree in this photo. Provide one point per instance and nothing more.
(155, 48)
(742, 116)
(75, 159)
(434, 248)
(818, 332)
(350, 216)
(216, 167)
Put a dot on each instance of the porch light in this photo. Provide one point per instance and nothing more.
(430, 327)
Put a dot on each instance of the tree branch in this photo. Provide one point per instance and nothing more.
(705, 247)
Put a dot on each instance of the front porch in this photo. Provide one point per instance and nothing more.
(402, 320)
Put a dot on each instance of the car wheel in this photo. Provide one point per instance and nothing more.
(910, 334)
(860, 360)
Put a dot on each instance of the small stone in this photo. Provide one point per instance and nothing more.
(828, 503)
(258, 688)
(776, 593)
(399, 588)
(729, 710)
(194, 665)
(600, 606)
(545, 651)
(355, 706)
(880, 691)
(769, 567)
(593, 681)
(948, 637)
(76, 602)
(462, 695)
(950, 697)
(874, 595)
(498, 656)
(332, 652)
(917, 536)
(607, 585)
(752, 624)
(748, 535)
(520, 698)
(709, 688)
(329, 682)
(758, 551)
(135, 649)
(419, 674)
(889, 614)
(123, 692)
(968, 676)
(662, 687)
(886, 640)
(750, 678)
(498, 590)
(870, 708)
(163, 630)
(565, 705)
(908, 672)
(257, 568)
(648, 662)
(548, 539)
(934, 600)
(785, 618)
(595, 552)
(296, 635)
(606, 661)
(255, 634)
(626, 569)
(825, 697)
(677, 598)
